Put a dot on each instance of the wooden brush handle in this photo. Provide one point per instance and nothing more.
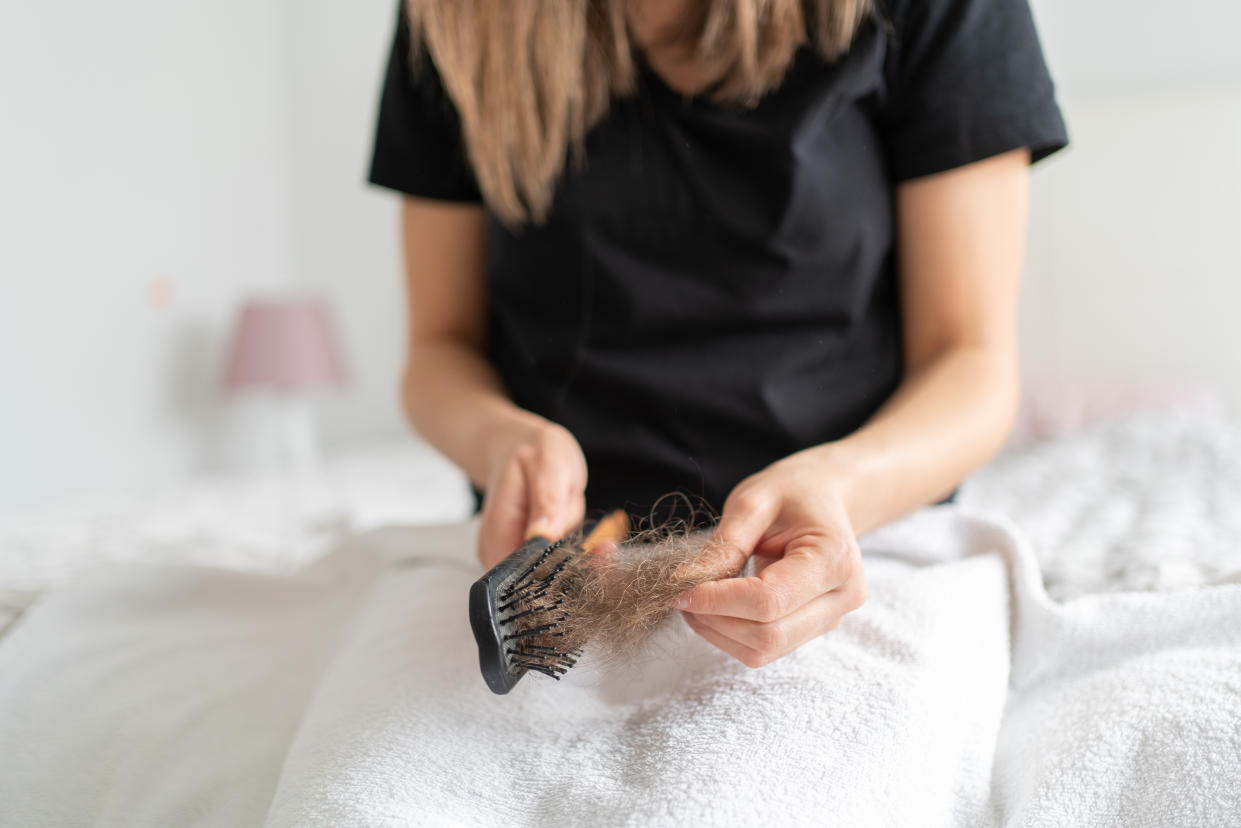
(614, 527)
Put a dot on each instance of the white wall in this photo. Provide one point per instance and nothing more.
(1135, 244)
(1125, 46)
(159, 162)
(343, 232)
(1134, 269)
(139, 142)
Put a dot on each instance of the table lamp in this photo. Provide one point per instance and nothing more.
(286, 349)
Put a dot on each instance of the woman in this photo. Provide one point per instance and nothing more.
(762, 252)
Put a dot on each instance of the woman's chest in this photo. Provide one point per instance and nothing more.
(685, 211)
(798, 175)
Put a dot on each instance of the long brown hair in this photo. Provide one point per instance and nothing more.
(529, 79)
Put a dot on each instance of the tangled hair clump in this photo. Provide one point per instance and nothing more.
(620, 594)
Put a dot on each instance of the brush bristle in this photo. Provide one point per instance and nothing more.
(530, 613)
(539, 608)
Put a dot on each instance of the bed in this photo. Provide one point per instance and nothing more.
(1060, 647)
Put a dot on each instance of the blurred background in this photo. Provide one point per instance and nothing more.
(161, 164)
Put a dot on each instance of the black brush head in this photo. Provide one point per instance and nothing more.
(517, 614)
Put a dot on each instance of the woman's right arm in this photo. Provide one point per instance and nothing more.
(532, 469)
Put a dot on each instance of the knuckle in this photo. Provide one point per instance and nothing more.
(545, 454)
(745, 498)
(754, 660)
(835, 568)
(834, 536)
(539, 456)
(703, 601)
(489, 518)
(556, 439)
(769, 605)
(524, 454)
(539, 505)
(842, 548)
(771, 638)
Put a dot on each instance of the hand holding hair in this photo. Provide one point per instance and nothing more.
(536, 485)
(808, 569)
(548, 601)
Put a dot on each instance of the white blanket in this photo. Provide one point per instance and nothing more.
(959, 695)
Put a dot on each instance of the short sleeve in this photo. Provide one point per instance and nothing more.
(418, 145)
(966, 80)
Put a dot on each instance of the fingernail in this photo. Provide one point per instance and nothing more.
(539, 526)
(682, 603)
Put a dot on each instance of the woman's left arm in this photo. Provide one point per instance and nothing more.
(961, 240)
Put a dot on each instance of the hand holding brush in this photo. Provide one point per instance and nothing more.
(542, 605)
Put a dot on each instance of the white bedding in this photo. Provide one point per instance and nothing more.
(960, 695)
(1152, 501)
(247, 524)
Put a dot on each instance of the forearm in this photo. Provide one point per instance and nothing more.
(944, 421)
(455, 400)
(961, 236)
(449, 389)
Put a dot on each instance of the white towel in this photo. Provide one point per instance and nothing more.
(158, 696)
(959, 695)
(892, 720)
(1123, 710)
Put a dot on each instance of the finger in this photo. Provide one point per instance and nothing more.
(501, 528)
(742, 653)
(809, 569)
(741, 526)
(552, 499)
(775, 639)
(575, 515)
(781, 588)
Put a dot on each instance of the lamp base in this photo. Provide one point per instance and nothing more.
(297, 436)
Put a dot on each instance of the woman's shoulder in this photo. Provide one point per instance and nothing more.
(418, 148)
(907, 20)
(964, 80)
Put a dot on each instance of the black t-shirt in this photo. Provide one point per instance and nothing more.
(716, 286)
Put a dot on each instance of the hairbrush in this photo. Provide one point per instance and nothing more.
(519, 611)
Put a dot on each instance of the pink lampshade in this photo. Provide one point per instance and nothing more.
(285, 344)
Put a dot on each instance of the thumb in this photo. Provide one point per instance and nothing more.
(742, 525)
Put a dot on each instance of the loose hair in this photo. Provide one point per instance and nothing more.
(529, 78)
(620, 595)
